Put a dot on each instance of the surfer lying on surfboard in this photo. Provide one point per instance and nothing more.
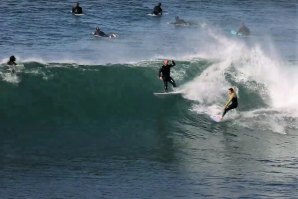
(165, 74)
(232, 102)
(98, 32)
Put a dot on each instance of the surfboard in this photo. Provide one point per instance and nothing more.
(111, 36)
(168, 93)
(153, 15)
(77, 14)
(216, 118)
(96, 35)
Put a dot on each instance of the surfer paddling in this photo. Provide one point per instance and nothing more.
(165, 74)
(100, 33)
(232, 102)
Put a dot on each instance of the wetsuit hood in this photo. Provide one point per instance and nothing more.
(12, 58)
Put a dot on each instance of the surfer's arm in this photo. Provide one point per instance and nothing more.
(173, 63)
(160, 72)
(229, 101)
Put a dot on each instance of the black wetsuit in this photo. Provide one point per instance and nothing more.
(165, 72)
(157, 10)
(233, 105)
(11, 63)
(77, 10)
(100, 33)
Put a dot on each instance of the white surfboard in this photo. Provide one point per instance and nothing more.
(152, 15)
(168, 93)
(216, 118)
(77, 14)
(111, 36)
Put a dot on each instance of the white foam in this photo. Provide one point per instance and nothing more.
(254, 68)
(10, 77)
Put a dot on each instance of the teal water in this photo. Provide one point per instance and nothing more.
(79, 118)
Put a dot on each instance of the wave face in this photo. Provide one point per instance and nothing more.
(115, 101)
(58, 96)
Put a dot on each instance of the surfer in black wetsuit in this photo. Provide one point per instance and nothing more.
(12, 61)
(157, 10)
(77, 9)
(232, 102)
(243, 30)
(165, 74)
(98, 32)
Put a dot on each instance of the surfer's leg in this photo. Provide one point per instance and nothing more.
(165, 82)
(172, 81)
(225, 111)
(232, 106)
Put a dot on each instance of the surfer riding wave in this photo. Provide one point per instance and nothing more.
(165, 74)
(232, 102)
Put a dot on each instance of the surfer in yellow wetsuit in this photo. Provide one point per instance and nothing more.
(232, 102)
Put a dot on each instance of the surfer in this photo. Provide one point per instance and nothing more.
(232, 102)
(165, 74)
(12, 61)
(179, 21)
(157, 10)
(77, 9)
(11, 64)
(243, 30)
(98, 32)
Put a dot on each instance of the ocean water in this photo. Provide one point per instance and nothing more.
(79, 119)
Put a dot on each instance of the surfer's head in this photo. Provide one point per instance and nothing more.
(231, 90)
(12, 58)
(177, 18)
(159, 4)
(77, 4)
(165, 62)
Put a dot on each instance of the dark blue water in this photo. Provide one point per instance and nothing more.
(79, 119)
